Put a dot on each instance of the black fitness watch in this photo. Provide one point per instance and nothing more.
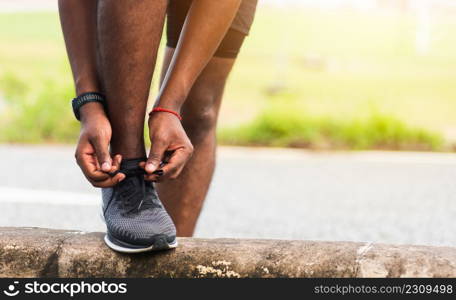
(84, 99)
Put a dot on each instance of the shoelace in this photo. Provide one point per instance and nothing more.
(131, 205)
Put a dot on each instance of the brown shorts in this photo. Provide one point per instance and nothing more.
(231, 43)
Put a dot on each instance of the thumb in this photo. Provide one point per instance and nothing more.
(102, 153)
(157, 150)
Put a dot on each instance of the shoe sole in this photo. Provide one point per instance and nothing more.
(159, 244)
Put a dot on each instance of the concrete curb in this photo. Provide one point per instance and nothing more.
(36, 252)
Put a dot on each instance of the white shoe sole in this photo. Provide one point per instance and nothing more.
(136, 250)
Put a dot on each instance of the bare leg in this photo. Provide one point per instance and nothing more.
(129, 34)
(184, 196)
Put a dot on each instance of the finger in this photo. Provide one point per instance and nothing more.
(175, 164)
(97, 163)
(155, 176)
(97, 176)
(117, 160)
(89, 168)
(110, 182)
(115, 164)
(142, 165)
(157, 150)
(101, 149)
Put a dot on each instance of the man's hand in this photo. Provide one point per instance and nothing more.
(92, 152)
(170, 147)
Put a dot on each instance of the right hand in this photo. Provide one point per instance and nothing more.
(167, 136)
(92, 152)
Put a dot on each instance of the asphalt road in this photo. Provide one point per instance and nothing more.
(258, 193)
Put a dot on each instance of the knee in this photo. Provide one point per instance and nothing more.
(200, 123)
(200, 118)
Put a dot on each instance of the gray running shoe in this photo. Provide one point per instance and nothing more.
(136, 220)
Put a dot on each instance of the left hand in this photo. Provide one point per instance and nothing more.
(169, 145)
(92, 153)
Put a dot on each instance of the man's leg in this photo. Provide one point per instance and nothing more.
(129, 34)
(184, 197)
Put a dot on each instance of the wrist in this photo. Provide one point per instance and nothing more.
(160, 109)
(92, 110)
(169, 106)
(84, 99)
(172, 102)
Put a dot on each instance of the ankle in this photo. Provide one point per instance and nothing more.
(128, 149)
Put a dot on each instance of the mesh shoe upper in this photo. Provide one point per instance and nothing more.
(132, 210)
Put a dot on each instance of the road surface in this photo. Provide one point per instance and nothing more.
(260, 193)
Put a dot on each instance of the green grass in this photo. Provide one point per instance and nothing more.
(43, 115)
(279, 127)
(344, 65)
(352, 81)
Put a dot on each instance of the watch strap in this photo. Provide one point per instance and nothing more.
(85, 98)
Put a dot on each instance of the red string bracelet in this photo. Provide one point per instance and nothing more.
(160, 109)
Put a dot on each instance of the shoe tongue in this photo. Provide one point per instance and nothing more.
(132, 188)
(131, 166)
